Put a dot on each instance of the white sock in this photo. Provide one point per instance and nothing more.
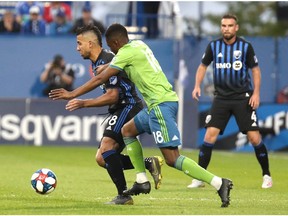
(216, 182)
(141, 177)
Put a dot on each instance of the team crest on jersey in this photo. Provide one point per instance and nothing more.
(113, 80)
(237, 54)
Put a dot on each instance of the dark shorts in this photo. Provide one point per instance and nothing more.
(116, 121)
(222, 110)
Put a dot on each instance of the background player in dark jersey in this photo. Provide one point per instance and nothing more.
(234, 95)
(121, 97)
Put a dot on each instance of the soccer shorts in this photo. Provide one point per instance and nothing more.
(161, 122)
(116, 121)
(221, 111)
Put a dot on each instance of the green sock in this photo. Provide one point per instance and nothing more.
(134, 150)
(192, 169)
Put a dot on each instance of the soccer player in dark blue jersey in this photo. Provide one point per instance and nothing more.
(120, 95)
(232, 58)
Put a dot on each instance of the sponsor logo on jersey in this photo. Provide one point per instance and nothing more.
(237, 65)
(255, 59)
(223, 65)
(203, 55)
(208, 119)
(220, 55)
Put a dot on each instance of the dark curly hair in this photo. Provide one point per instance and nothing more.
(90, 28)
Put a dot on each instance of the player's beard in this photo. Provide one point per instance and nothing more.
(228, 37)
(85, 55)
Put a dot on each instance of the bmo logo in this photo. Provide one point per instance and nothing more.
(223, 65)
(237, 65)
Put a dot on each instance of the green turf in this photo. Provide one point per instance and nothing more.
(83, 187)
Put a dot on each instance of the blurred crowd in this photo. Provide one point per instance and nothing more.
(45, 18)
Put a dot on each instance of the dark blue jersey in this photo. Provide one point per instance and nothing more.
(127, 92)
(231, 64)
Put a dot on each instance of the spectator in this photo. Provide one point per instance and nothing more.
(9, 24)
(22, 10)
(60, 26)
(87, 19)
(35, 25)
(51, 9)
(57, 74)
(282, 95)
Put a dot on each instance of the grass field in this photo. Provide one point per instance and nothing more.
(83, 187)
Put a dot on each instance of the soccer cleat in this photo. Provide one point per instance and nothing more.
(196, 184)
(267, 182)
(153, 164)
(138, 188)
(224, 192)
(121, 200)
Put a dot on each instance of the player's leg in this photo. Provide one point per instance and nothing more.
(111, 146)
(152, 164)
(247, 121)
(215, 123)
(205, 153)
(108, 150)
(135, 152)
(164, 128)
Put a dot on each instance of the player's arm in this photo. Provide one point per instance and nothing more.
(93, 83)
(252, 62)
(207, 58)
(200, 74)
(109, 98)
(99, 69)
(255, 98)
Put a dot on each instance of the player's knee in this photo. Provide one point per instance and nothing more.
(170, 162)
(125, 131)
(254, 138)
(99, 160)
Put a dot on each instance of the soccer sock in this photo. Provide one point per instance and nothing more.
(192, 169)
(262, 157)
(115, 170)
(127, 164)
(134, 150)
(205, 153)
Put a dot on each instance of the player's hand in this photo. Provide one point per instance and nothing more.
(74, 104)
(254, 101)
(196, 93)
(99, 69)
(57, 94)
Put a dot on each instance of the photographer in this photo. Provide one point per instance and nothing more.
(57, 75)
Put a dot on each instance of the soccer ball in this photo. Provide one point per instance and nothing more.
(44, 181)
